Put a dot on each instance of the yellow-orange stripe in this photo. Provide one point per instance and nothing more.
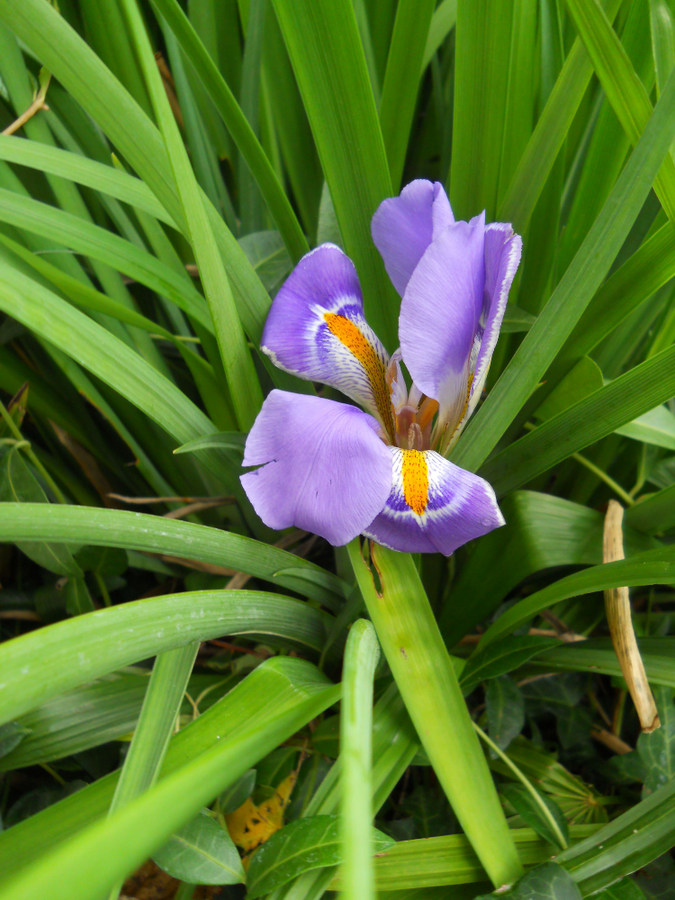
(360, 347)
(415, 476)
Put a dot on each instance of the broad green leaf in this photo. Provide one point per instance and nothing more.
(309, 843)
(99, 243)
(201, 852)
(505, 709)
(656, 427)
(92, 714)
(362, 653)
(237, 124)
(578, 383)
(597, 656)
(498, 658)
(585, 422)
(626, 889)
(657, 749)
(56, 658)
(651, 567)
(328, 61)
(399, 90)
(270, 690)
(622, 85)
(546, 882)
(88, 172)
(77, 597)
(654, 513)
(574, 291)
(449, 860)
(156, 534)
(105, 851)
(531, 813)
(549, 134)
(425, 675)
(482, 57)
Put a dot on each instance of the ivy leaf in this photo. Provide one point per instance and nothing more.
(657, 749)
(304, 844)
(505, 710)
(201, 853)
(546, 882)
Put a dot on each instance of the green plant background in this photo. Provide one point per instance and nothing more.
(187, 156)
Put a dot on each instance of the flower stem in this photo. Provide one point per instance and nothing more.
(425, 676)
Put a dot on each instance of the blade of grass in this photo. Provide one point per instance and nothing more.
(107, 851)
(575, 289)
(399, 91)
(327, 56)
(624, 90)
(482, 53)
(356, 721)
(58, 657)
(82, 73)
(170, 537)
(237, 124)
(88, 172)
(588, 420)
(651, 567)
(425, 675)
(240, 373)
(272, 686)
(549, 135)
(156, 723)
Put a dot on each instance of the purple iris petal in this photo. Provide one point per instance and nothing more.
(322, 465)
(452, 507)
(440, 313)
(316, 330)
(404, 226)
(502, 255)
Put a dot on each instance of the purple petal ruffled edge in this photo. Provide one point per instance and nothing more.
(461, 506)
(323, 467)
(503, 248)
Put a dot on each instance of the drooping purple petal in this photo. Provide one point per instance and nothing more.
(502, 255)
(322, 466)
(316, 330)
(434, 506)
(404, 226)
(440, 312)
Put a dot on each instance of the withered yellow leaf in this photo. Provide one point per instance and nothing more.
(252, 824)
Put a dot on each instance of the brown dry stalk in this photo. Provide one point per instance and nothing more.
(617, 607)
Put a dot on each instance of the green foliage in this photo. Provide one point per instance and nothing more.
(189, 153)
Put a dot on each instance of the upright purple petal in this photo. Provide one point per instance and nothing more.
(322, 466)
(404, 226)
(316, 330)
(502, 255)
(440, 313)
(434, 506)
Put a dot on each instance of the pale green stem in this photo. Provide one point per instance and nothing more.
(425, 676)
(356, 730)
(534, 793)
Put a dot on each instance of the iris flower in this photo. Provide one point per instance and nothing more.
(335, 470)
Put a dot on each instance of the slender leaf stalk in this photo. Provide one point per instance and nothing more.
(426, 678)
(356, 723)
